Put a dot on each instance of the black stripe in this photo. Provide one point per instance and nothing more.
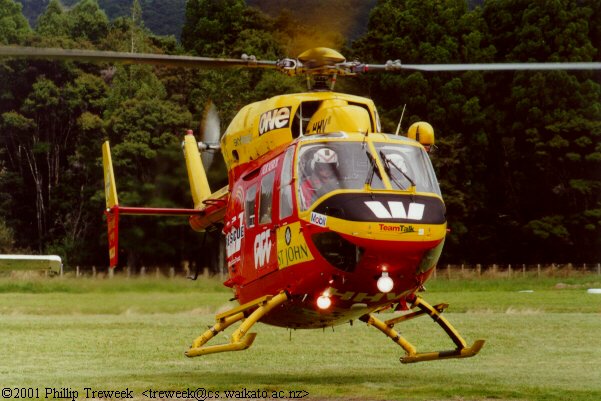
(353, 207)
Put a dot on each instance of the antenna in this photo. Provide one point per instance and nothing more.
(398, 128)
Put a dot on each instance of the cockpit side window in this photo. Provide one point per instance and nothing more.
(303, 114)
(249, 206)
(266, 199)
(286, 185)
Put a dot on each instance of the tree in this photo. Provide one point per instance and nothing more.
(54, 21)
(87, 21)
(516, 158)
(136, 23)
(13, 25)
(551, 186)
(6, 238)
(212, 26)
(451, 102)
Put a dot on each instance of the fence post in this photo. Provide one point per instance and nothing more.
(509, 270)
(524, 270)
(599, 269)
(449, 271)
(538, 270)
(157, 272)
(171, 272)
(76, 271)
(94, 271)
(479, 269)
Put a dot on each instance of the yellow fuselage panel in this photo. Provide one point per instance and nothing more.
(266, 125)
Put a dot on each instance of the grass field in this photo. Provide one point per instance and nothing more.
(131, 334)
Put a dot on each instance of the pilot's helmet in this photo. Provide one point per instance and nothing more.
(398, 161)
(324, 157)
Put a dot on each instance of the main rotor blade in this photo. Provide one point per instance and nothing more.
(396, 65)
(133, 58)
(288, 66)
(505, 66)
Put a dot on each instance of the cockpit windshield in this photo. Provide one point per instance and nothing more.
(324, 167)
(408, 166)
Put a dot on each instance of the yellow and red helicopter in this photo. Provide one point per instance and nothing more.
(326, 218)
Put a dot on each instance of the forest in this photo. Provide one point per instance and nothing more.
(518, 154)
(162, 17)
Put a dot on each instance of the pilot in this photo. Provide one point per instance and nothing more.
(323, 179)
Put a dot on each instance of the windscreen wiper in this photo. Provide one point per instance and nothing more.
(372, 169)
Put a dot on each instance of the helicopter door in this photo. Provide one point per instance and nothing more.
(261, 234)
(285, 188)
(246, 267)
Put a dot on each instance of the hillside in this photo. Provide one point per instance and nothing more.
(163, 17)
(166, 17)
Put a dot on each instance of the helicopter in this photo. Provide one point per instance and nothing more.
(326, 218)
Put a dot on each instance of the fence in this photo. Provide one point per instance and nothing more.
(451, 271)
(150, 272)
(447, 271)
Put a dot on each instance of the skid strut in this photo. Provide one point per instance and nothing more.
(435, 312)
(240, 340)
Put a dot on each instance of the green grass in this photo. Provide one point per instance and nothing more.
(120, 333)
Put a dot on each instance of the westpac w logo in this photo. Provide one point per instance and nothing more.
(396, 210)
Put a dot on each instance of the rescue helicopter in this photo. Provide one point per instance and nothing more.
(326, 218)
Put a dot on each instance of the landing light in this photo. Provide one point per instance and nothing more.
(324, 301)
(385, 283)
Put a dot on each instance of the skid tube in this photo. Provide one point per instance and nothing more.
(435, 312)
(240, 339)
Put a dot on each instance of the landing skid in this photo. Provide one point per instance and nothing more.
(240, 340)
(435, 312)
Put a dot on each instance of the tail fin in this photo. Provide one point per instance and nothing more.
(199, 184)
(110, 189)
(112, 204)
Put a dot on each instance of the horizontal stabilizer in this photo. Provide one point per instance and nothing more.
(209, 208)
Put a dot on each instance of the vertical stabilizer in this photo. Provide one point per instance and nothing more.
(199, 184)
(112, 204)
(110, 189)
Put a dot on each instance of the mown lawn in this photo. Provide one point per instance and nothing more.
(131, 334)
